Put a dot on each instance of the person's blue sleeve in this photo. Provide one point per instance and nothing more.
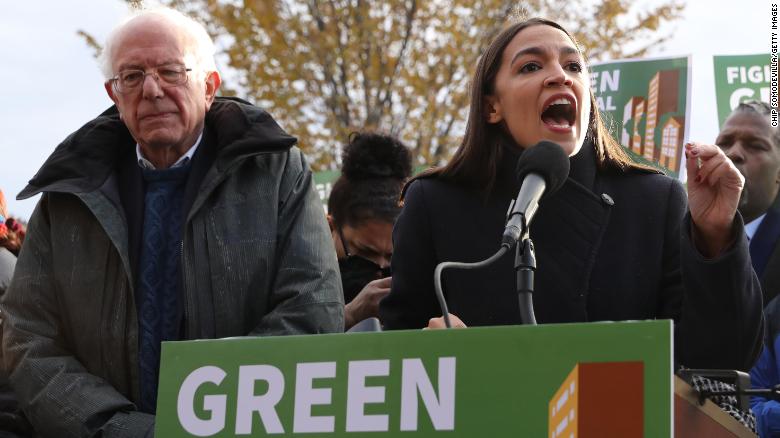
(765, 375)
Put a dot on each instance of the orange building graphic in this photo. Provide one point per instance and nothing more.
(662, 95)
(600, 399)
(671, 143)
(636, 140)
(633, 110)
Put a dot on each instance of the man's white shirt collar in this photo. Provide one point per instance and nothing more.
(750, 229)
(146, 164)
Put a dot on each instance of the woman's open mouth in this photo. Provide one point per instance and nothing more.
(560, 113)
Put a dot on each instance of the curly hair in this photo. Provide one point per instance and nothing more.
(376, 166)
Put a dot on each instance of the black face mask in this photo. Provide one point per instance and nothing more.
(357, 272)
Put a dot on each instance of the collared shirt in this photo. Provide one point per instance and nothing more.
(750, 229)
(146, 164)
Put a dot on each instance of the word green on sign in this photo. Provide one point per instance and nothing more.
(414, 382)
(480, 382)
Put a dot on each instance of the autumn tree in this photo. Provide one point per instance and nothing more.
(327, 68)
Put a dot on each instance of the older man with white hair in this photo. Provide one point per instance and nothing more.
(173, 215)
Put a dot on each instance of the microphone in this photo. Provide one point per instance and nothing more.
(544, 166)
(542, 169)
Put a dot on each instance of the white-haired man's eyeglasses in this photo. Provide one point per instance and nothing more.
(170, 75)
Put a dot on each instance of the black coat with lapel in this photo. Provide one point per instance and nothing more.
(610, 246)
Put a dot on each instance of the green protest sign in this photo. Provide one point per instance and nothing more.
(645, 103)
(740, 78)
(536, 381)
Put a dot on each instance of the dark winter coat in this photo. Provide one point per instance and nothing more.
(257, 259)
(610, 245)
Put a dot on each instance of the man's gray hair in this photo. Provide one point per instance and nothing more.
(200, 46)
(762, 109)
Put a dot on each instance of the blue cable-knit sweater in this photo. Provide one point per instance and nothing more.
(159, 278)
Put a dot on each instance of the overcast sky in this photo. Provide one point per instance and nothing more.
(51, 84)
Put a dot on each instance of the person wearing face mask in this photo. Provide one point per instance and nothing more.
(618, 240)
(362, 209)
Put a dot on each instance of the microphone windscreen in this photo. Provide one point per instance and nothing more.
(547, 160)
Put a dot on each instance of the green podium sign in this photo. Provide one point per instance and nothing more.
(533, 381)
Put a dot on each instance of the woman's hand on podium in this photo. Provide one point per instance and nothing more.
(438, 323)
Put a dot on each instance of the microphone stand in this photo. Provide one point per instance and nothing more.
(525, 258)
(525, 266)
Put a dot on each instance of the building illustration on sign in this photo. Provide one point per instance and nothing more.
(633, 111)
(671, 141)
(597, 400)
(662, 97)
(648, 119)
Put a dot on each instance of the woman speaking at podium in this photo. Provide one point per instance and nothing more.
(618, 240)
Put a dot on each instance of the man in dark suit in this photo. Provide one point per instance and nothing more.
(751, 142)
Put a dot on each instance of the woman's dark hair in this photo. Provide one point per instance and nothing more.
(475, 163)
(376, 167)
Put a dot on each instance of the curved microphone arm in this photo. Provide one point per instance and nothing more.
(459, 265)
